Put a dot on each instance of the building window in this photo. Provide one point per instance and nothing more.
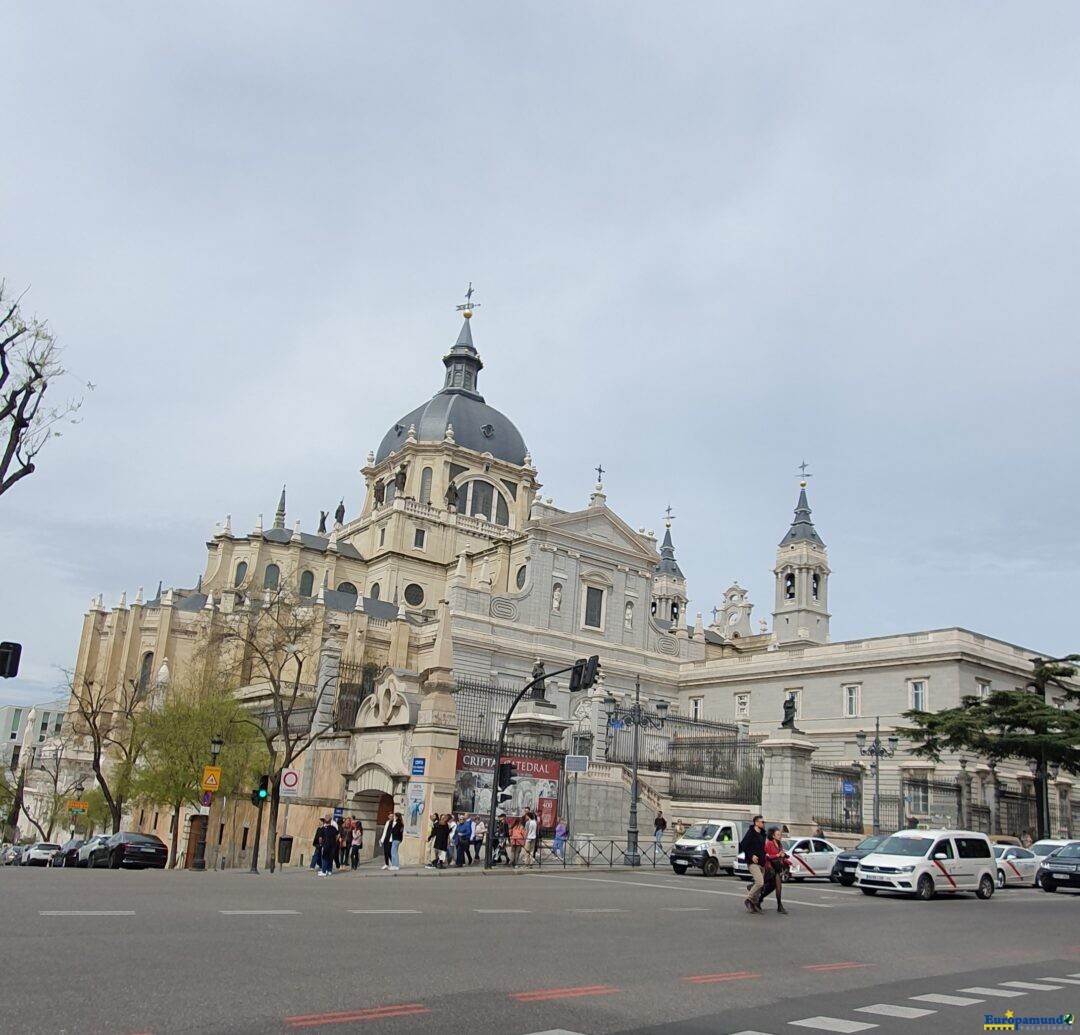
(851, 701)
(155, 820)
(307, 583)
(482, 495)
(502, 512)
(481, 499)
(742, 706)
(789, 586)
(414, 595)
(917, 795)
(382, 536)
(696, 704)
(419, 537)
(241, 573)
(918, 694)
(58, 722)
(425, 485)
(270, 579)
(347, 587)
(982, 687)
(815, 583)
(375, 591)
(220, 833)
(522, 574)
(594, 607)
(243, 840)
(146, 669)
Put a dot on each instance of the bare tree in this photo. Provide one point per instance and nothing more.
(275, 645)
(53, 763)
(29, 362)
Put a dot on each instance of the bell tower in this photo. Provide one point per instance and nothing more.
(669, 583)
(802, 574)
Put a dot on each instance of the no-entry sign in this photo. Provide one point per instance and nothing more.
(290, 783)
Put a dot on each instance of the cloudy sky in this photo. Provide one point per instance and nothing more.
(709, 239)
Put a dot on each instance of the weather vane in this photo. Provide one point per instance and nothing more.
(466, 310)
(803, 475)
(669, 517)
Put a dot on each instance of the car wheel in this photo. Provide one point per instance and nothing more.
(986, 886)
(711, 867)
(114, 861)
(846, 881)
(868, 891)
(1048, 885)
(925, 887)
(680, 870)
(1001, 878)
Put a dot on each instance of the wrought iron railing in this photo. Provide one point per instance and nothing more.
(837, 798)
(588, 852)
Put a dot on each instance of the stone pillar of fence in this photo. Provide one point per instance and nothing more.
(990, 790)
(963, 781)
(787, 786)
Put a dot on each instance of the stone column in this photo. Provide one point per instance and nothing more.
(963, 780)
(990, 789)
(786, 787)
(326, 681)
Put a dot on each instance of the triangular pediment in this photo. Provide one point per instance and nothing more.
(604, 528)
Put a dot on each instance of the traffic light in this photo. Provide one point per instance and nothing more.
(9, 659)
(260, 795)
(505, 779)
(583, 674)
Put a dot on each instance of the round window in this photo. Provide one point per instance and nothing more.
(414, 595)
(522, 572)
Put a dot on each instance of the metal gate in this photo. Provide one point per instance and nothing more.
(980, 818)
(837, 798)
(1017, 813)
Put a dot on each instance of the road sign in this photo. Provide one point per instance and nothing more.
(78, 806)
(339, 811)
(849, 788)
(419, 765)
(576, 764)
(211, 778)
(290, 783)
(207, 798)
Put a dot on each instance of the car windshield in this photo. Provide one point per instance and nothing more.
(870, 843)
(1040, 848)
(1069, 851)
(1000, 850)
(46, 847)
(910, 846)
(701, 832)
(142, 839)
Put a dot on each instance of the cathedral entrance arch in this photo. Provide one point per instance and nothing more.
(371, 800)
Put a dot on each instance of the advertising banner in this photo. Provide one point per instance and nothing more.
(414, 810)
(536, 786)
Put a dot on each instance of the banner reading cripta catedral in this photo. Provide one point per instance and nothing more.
(536, 786)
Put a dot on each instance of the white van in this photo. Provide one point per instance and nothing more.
(925, 862)
(710, 846)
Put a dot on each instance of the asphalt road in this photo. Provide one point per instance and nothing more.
(590, 952)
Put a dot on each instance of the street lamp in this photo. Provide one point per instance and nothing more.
(640, 719)
(199, 862)
(79, 788)
(876, 752)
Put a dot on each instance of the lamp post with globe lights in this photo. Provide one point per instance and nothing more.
(876, 751)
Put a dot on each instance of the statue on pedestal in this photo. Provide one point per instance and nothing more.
(451, 496)
(789, 714)
(539, 691)
(339, 514)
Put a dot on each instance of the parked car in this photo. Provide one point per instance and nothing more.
(9, 855)
(1015, 865)
(709, 847)
(1049, 844)
(811, 858)
(83, 857)
(843, 869)
(69, 852)
(926, 862)
(1061, 869)
(137, 851)
(40, 853)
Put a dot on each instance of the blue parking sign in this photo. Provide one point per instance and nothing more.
(418, 766)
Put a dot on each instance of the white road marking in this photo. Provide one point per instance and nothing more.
(502, 910)
(673, 887)
(1032, 986)
(259, 912)
(556, 1031)
(946, 1000)
(597, 910)
(688, 909)
(832, 1024)
(1067, 981)
(888, 1010)
(1004, 993)
(86, 912)
(384, 912)
(750, 1033)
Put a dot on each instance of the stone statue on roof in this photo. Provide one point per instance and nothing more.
(380, 493)
(339, 514)
(323, 515)
(451, 496)
(399, 479)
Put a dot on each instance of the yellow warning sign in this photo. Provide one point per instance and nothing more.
(211, 778)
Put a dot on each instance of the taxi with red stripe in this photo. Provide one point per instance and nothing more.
(926, 863)
(1016, 866)
(811, 858)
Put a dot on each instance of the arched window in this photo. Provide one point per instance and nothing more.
(425, 485)
(375, 591)
(482, 495)
(241, 573)
(307, 583)
(502, 514)
(815, 584)
(347, 587)
(391, 490)
(146, 669)
(522, 574)
(789, 586)
(479, 498)
(674, 612)
(272, 577)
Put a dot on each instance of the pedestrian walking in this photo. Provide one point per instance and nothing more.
(479, 833)
(532, 834)
(397, 832)
(502, 839)
(659, 826)
(357, 843)
(776, 867)
(517, 841)
(440, 838)
(386, 839)
(464, 835)
(316, 844)
(753, 848)
(328, 836)
(558, 846)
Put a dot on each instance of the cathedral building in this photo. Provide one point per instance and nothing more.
(456, 577)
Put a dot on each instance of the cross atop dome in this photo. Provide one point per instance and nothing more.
(466, 310)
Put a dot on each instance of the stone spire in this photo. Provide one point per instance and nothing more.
(668, 565)
(802, 528)
(279, 516)
(463, 363)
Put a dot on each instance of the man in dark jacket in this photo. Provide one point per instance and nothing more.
(328, 838)
(753, 848)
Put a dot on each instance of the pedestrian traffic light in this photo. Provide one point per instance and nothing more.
(262, 792)
(9, 659)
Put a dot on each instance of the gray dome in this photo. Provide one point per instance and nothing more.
(477, 426)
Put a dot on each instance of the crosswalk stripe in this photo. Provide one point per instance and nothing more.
(1066, 981)
(1004, 993)
(888, 1010)
(384, 912)
(1031, 984)
(502, 910)
(556, 1031)
(946, 1000)
(838, 1024)
(259, 912)
(87, 912)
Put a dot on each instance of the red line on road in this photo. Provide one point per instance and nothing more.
(708, 979)
(826, 967)
(542, 995)
(374, 1013)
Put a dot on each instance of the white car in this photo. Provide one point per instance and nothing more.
(1016, 866)
(40, 853)
(86, 849)
(926, 862)
(811, 858)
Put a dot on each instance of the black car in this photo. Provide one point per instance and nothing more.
(69, 852)
(1061, 869)
(137, 851)
(844, 868)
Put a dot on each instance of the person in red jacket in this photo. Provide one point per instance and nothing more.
(776, 866)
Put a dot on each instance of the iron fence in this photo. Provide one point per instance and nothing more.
(356, 682)
(481, 709)
(1016, 813)
(590, 852)
(1074, 828)
(837, 798)
(930, 803)
(980, 818)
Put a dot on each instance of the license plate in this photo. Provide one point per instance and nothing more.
(151, 850)
(850, 867)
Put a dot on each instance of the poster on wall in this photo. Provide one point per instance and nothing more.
(414, 810)
(536, 786)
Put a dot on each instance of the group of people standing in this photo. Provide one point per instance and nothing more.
(459, 839)
(337, 846)
(767, 862)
